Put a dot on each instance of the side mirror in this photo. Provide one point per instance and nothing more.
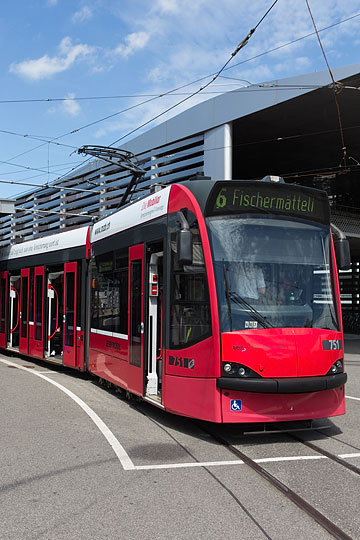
(342, 253)
(342, 248)
(184, 245)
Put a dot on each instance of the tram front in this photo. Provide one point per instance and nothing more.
(282, 354)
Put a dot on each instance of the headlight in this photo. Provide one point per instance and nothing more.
(337, 367)
(232, 369)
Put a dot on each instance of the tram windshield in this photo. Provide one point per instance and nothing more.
(272, 272)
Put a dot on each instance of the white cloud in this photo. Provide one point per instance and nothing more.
(70, 106)
(195, 38)
(167, 6)
(189, 39)
(133, 42)
(51, 2)
(84, 14)
(46, 66)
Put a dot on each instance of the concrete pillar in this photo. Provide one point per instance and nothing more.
(218, 152)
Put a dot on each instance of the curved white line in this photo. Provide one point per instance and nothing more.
(112, 440)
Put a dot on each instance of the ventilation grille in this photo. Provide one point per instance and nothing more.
(45, 211)
(347, 219)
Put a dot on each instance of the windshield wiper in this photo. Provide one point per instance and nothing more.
(227, 294)
(254, 313)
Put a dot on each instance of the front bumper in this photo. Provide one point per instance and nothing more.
(296, 385)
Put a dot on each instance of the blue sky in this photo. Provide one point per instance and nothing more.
(122, 52)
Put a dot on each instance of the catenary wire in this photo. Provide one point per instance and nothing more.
(336, 84)
(193, 82)
(217, 74)
(172, 92)
(249, 143)
(35, 137)
(188, 84)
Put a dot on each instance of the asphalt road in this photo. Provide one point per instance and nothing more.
(77, 462)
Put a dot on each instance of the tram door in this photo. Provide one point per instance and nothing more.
(154, 325)
(69, 317)
(3, 304)
(36, 346)
(24, 311)
(136, 318)
(55, 287)
(14, 312)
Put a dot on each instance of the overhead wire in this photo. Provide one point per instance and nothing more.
(214, 77)
(240, 46)
(57, 165)
(35, 137)
(61, 213)
(47, 186)
(217, 74)
(223, 69)
(337, 86)
(170, 92)
(247, 143)
(188, 84)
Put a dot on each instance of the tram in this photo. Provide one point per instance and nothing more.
(217, 300)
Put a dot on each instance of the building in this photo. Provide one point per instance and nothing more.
(290, 127)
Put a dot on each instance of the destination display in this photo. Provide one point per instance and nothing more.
(274, 199)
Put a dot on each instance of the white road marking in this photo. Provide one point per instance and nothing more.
(184, 465)
(50, 372)
(112, 440)
(125, 460)
(237, 462)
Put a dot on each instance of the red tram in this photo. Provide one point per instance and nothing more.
(217, 300)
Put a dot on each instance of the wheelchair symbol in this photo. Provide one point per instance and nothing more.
(236, 405)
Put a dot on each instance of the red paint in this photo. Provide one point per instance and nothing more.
(281, 352)
(36, 341)
(69, 339)
(88, 245)
(193, 397)
(154, 290)
(108, 358)
(3, 308)
(201, 353)
(181, 197)
(282, 407)
(25, 315)
(80, 337)
(189, 374)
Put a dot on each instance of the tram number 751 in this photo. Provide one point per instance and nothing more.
(332, 344)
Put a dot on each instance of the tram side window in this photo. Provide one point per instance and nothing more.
(109, 292)
(190, 319)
